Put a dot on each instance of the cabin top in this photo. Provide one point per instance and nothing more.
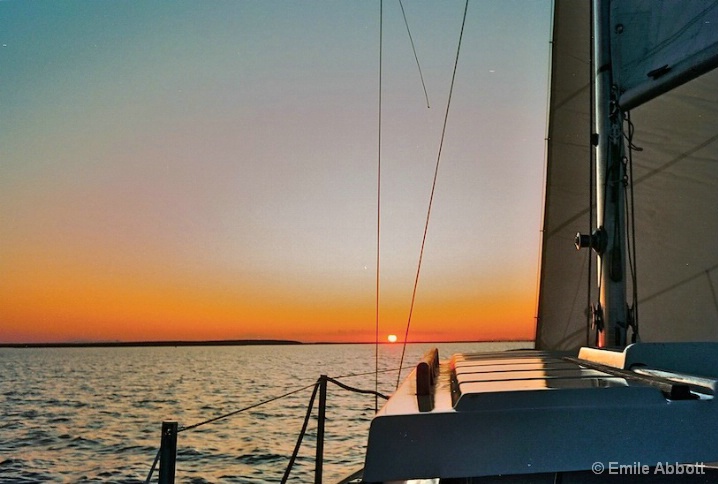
(527, 411)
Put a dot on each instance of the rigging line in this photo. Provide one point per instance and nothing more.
(591, 182)
(354, 375)
(413, 48)
(431, 197)
(154, 464)
(631, 217)
(357, 390)
(569, 319)
(230, 414)
(301, 433)
(630, 234)
(378, 211)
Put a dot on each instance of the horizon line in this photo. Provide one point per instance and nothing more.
(229, 342)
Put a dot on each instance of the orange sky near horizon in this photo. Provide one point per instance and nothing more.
(171, 171)
(61, 301)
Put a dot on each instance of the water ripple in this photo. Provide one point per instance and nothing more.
(76, 415)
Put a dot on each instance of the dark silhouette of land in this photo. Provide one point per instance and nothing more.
(225, 342)
(110, 344)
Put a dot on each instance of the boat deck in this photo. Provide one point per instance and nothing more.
(531, 412)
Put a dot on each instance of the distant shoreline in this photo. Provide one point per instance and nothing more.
(229, 342)
(113, 344)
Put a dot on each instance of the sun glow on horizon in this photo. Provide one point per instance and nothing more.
(217, 196)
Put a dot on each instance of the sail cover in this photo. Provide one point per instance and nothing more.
(657, 48)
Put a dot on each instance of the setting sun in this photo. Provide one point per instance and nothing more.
(391, 338)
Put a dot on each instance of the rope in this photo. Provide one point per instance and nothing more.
(307, 416)
(352, 375)
(431, 197)
(279, 397)
(154, 464)
(301, 433)
(230, 414)
(357, 390)
(631, 219)
(378, 212)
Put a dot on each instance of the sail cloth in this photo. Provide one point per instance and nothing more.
(561, 319)
(676, 191)
(663, 54)
(657, 48)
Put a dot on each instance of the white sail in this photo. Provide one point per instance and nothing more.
(676, 190)
(561, 321)
(675, 176)
(657, 46)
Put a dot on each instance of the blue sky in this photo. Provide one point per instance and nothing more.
(224, 154)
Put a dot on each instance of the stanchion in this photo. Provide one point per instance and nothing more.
(318, 461)
(168, 453)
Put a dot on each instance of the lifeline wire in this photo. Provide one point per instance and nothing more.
(304, 426)
(431, 197)
(230, 414)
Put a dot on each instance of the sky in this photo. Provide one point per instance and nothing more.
(208, 170)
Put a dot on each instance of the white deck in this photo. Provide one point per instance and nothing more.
(524, 412)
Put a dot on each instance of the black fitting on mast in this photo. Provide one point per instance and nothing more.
(597, 317)
(597, 241)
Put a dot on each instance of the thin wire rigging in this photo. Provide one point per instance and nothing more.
(378, 214)
(416, 57)
(433, 189)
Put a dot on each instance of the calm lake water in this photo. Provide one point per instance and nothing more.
(95, 414)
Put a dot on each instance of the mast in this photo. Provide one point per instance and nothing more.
(664, 60)
(609, 239)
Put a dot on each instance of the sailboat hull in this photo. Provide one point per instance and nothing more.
(532, 412)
